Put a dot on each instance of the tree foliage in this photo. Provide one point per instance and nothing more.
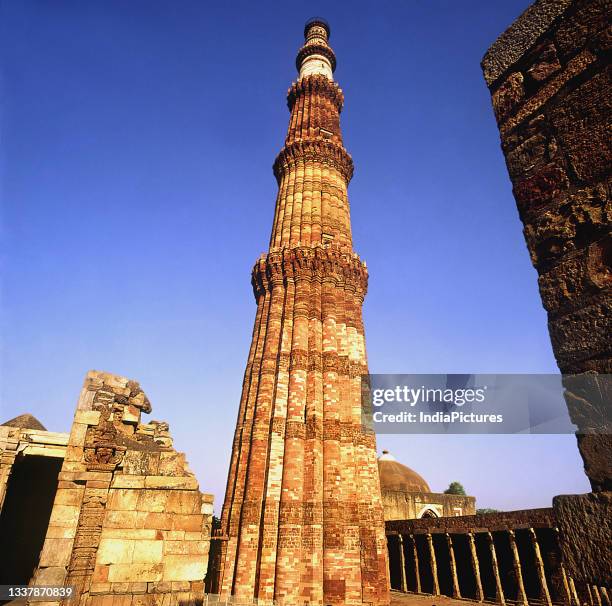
(455, 488)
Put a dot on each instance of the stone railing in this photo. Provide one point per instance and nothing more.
(510, 557)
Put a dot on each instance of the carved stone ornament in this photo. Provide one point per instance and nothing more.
(101, 451)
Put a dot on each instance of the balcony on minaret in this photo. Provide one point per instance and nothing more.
(316, 56)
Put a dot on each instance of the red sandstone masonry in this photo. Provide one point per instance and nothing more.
(303, 514)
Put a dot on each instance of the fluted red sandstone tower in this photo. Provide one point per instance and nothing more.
(302, 512)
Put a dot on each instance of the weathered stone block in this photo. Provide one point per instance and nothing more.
(64, 515)
(153, 500)
(544, 62)
(141, 463)
(508, 95)
(125, 573)
(153, 519)
(172, 464)
(56, 552)
(580, 27)
(577, 219)
(99, 588)
(585, 528)
(87, 417)
(138, 587)
(120, 519)
(115, 551)
(528, 155)
(171, 483)
(123, 499)
(583, 334)
(188, 523)
(71, 497)
(595, 449)
(131, 414)
(128, 481)
(129, 533)
(183, 501)
(583, 130)
(100, 573)
(183, 568)
(540, 188)
(148, 551)
(52, 575)
(61, 532)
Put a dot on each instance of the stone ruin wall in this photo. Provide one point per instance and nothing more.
(548, 75)
(400, 505)
(128, 523)
(489, 522)
(15, 441)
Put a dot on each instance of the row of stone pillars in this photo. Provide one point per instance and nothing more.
(594, 596)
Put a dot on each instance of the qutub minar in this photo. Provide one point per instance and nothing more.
(303, 512)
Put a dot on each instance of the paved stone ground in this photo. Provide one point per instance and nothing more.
(411, 599)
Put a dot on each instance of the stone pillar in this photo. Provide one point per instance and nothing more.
(415, 555)
(476, 568)
(400, 544)
(499, 591)
(596, 596)
(566, 587)
(453, 566)
(516, 562)
(591, 601)
(547, 74)
(545, 593)
(434, 565)
(574, 592)
(389, 560)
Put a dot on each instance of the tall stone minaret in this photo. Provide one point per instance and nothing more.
(303, 514)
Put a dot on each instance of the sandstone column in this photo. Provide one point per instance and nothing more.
(566, 586)
(402, 562)
(453, 566)
(548, 75)
(591, 600)
(596, 596)
(516, 562)
(539, 562)
(433, 564)
(499, 591)
(476, 568)
(303, 512)
(574, 591)
(415, 555)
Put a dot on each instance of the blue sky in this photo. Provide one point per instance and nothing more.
(137, 192)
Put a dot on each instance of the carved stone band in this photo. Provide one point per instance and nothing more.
(323, 152)
(311, 264)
